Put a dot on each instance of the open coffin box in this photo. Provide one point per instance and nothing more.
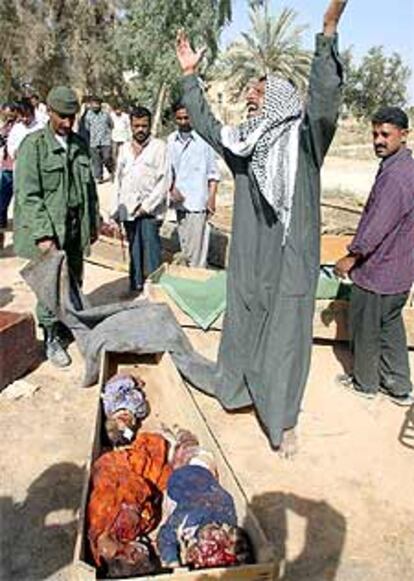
(172, 403)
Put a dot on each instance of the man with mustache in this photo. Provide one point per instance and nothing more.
(56, 206)
(275, 157)
(142, 179)
(380, 263)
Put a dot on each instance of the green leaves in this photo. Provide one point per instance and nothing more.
(147, 41)
(272, 45)
(378, 80)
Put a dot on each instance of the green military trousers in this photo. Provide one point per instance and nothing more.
(74, 254)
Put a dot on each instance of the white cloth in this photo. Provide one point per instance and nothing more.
(121, 130)
(18, 133)
(141, 181)
(41, 115)
(62, 140)
(272, 139)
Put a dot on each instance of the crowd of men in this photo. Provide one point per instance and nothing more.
(275, 157)
(148, 175)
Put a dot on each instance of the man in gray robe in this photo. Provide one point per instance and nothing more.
(275, 158)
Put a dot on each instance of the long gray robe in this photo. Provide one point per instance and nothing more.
(265, 349)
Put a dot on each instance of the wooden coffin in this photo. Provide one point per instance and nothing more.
(330, 321)
(19, 350)
(172, 403)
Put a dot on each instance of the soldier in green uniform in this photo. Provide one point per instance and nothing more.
(56, 206)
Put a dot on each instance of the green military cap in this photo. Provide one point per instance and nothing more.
(63, 100)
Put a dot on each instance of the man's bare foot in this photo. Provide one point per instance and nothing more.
(289, 446)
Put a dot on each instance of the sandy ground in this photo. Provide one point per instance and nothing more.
(340, 174)
(342, 510)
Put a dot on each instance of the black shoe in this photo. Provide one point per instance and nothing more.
(54, 351)
(347, 381)
(64, 335)
(405, 400)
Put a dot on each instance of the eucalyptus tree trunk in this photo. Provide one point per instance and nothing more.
(156, 124)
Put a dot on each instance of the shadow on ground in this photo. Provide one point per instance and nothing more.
(341, 351)
(7, 251)
(324, 539)
(38, 535)
(6, 296)
(110, 292)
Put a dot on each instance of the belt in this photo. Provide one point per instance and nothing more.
(192, 211)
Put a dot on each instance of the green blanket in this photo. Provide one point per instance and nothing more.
(204, 301)
(330, 287)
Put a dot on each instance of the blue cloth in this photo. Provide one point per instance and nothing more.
(144, 242)
(201, 500)
(194, 163)
(122, 393)
(6, 193)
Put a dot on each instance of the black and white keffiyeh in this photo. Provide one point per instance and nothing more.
(272, 139)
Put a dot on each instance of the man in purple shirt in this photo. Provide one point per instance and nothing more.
(380, 263)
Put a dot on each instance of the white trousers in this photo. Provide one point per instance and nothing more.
(194, 235)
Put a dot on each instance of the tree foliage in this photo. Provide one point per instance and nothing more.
(272, 45)
(45, 42)
(378, 80)
(147, 41)
(89, 44)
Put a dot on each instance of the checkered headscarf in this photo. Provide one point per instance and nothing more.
(271, 139)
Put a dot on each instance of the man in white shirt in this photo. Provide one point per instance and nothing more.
(40, 109)
(142, 180)
(121, 130)
(193, 192)
(25, 125)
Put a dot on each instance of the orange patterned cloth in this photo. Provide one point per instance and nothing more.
(126, 495)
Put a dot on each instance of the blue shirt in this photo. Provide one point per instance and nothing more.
(194, 164)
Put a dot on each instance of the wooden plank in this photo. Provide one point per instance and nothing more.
(333, 247)
(18, 346)
(331, 321)
(181, 271)
(172, 403)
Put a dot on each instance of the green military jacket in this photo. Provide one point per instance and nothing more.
(41, 188)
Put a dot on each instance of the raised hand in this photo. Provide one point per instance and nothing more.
(332, 16)
(188, 58)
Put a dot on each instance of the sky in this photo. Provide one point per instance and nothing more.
(365, 23)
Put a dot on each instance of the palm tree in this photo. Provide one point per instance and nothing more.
(272, 45)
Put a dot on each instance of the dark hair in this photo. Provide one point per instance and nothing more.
(12, 105)
(393, 115)
(25, 107)
(95, 98)
(177, 105)
(139, 112)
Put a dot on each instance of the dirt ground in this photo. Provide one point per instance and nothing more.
(341, 510)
